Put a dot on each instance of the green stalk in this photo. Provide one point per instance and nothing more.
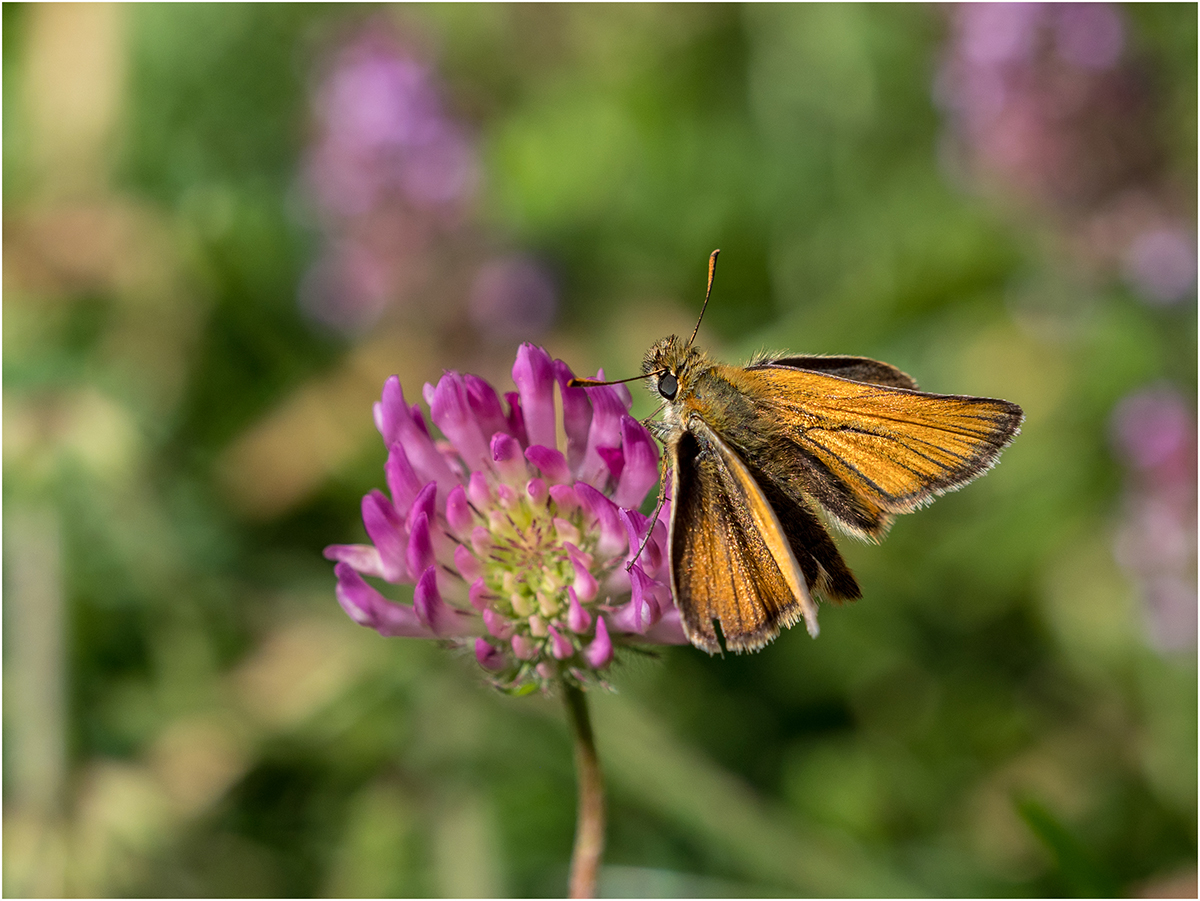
(589, 824)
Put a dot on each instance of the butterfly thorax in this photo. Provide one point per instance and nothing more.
(691, 385)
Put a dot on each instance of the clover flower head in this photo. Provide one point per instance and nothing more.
(517, 526)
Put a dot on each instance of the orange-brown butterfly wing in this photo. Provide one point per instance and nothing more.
(730, 559)
(864, 451)
(820, 560)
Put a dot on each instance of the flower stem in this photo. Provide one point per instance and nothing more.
(589, 824)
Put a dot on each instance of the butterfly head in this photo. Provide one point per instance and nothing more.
(668, 364)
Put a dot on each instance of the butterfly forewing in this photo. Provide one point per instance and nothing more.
(731, 560)
(865, 451)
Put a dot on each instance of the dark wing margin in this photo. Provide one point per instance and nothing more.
(731, 562)
(857, 369)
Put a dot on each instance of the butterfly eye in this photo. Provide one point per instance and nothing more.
(668, 386)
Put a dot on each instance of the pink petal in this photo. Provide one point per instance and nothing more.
(451, 411)
(507, 496)
(533, 375)
(423, 504)
(560, 646)
(668, 630)
(614, 461)
(363, 557)
(498, 625)
(485, 405)
(641, 464)
(402, 480)
(478, 491)
(458, 512)
(645, 606)
(537, 491)
(397, 422)
(481, 540)
(478, 595)
(419, 553)
(442, 620)
(516, 419)
(524, 647)
(390, 410)
(368, 607)
(489, 657)
(564, 499)
(418, 419)
(600, 652)
(466, 563)
(506, 454)
(577, 414)
(636, 526)
(608, 406)
(617, 582)
(641, 602)
(612, 539)
(386, 531)
(551, 463)
(566, 531)
(654, 557)
(578, 619)
(585, 585)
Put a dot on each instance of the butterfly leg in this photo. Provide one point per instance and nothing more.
(662, 497)
(656, 427)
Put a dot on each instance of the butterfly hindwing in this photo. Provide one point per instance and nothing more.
(730, 557)
(820, 560)
(858, 369)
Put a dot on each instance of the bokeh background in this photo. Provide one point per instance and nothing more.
(226, 225)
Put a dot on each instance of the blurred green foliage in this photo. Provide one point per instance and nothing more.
(989, 720)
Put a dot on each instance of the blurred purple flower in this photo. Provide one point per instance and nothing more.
(1154, 431)
(1037, 100)
(1161, 264)
(347, 284)
(1045, 109)
(1088, 35)
(383, 129)
(513, 296)
(388, 168)
(517, 540)
(1171, 613)
(991, 34)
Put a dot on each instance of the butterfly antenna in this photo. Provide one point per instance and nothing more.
(596, 383)
(712, 270)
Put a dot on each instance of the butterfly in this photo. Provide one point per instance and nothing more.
(754, 451)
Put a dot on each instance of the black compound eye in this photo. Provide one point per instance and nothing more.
(668, 386)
